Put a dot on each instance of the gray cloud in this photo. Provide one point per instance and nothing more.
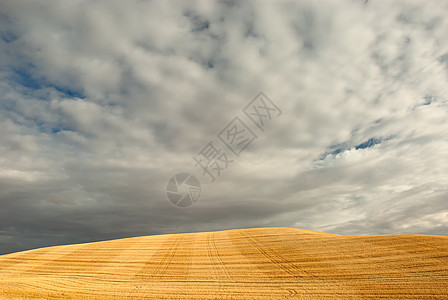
(103, 101)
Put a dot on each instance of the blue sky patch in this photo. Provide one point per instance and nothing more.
(369, 143)
(25, 78)
(8, 37)
(339, 148)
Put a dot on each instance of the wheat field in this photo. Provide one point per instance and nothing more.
(265, 263)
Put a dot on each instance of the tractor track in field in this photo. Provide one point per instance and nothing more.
(219, 268)
(157, 269)
(265, 263)
(275, 258)
(215, 253)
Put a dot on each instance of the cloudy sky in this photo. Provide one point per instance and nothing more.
(102, 102)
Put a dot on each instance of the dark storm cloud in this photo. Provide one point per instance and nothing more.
(103, 101)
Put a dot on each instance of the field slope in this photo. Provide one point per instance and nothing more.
(265, 263)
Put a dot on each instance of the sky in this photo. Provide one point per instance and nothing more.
(102, 103)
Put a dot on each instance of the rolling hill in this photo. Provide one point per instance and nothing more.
(264, 263)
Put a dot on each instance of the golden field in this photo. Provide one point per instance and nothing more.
(265, 263)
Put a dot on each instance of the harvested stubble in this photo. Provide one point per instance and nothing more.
(266, 263)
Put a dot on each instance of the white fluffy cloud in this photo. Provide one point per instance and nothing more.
(103, 101)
